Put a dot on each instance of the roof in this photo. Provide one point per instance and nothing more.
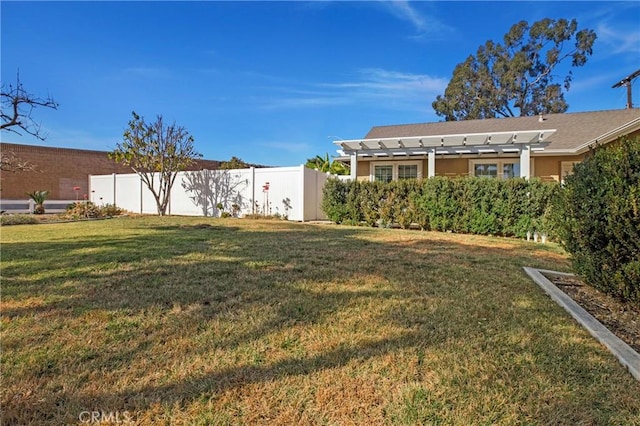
(574, 132)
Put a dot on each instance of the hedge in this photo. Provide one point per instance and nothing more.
(600, 204)
(473, 205)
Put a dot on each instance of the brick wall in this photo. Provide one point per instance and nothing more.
(61, 169)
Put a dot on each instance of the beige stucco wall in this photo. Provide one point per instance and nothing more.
(452, 166)
(549, 168)
(363, 170)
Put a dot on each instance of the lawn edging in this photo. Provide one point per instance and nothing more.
(625, 354)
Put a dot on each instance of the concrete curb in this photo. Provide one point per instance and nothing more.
(625, 354)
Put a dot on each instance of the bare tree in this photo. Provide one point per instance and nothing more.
(10, 162)
(16, 108)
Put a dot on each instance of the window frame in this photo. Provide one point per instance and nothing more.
(499, 162)
(394, 164)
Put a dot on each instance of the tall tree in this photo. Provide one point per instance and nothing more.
(518, 74)
(156, 152)
(324, 164)
(17, 106)
(234, 163)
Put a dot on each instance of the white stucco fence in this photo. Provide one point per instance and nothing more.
(292, 191)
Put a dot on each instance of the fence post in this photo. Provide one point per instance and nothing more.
(90, 191)
(115, 203)
(302, 191)
(253, 190)
(141, 192)
(32, 206)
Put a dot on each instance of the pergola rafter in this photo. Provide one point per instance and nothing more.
(522, 142)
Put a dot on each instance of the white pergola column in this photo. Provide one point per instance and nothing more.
(431, 169)
(525, 161)
(353, 166)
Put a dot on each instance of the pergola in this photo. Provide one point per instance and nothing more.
(521, 142)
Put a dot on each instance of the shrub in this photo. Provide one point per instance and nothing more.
(38, 198)
(369, 201)
(510, 207)
(334, 200)
(599, 212)
(82, 209)
(109, 210)
(88, 209)
(17, 219)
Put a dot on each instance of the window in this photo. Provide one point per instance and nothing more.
(486, 170)
(510, 170)
(407, 171)
(503, 169)
(386, 171)
(383, 173)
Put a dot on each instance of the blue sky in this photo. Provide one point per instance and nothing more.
(276, 82)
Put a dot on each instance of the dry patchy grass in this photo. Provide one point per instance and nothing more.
(207, 321)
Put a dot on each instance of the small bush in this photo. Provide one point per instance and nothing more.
(82, 209)
(17, 219)
(598, 216)
(109, 210)
(89, 210)
(334, 200)
(38, 198)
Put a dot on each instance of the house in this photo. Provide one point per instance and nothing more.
(545, 146)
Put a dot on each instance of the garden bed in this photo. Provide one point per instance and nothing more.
(622, 319)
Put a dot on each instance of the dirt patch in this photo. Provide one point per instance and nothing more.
(622, 319)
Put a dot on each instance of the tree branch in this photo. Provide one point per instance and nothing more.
(14, 98)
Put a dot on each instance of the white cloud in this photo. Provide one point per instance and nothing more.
(387, 88)
(404, 10)
(399, 90)
(423, 24)
(385, 83)
(619, 40)
(148, 72)
(303, 100)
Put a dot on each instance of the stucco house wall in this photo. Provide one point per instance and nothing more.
(452, 167)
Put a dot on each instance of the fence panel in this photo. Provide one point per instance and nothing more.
(101, 188)
(292, 191)
(127, 192)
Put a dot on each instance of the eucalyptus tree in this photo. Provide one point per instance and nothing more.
(517, 77)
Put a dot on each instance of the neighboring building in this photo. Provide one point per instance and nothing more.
(59, 170)
(545, 146)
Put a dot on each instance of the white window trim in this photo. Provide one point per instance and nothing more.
(395, 164)
(500, 163)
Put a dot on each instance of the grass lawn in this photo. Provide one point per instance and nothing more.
(208, 321)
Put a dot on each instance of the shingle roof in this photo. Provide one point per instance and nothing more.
(573, 130)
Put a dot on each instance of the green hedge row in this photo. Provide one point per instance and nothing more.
(600, 204)
(510, 207)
